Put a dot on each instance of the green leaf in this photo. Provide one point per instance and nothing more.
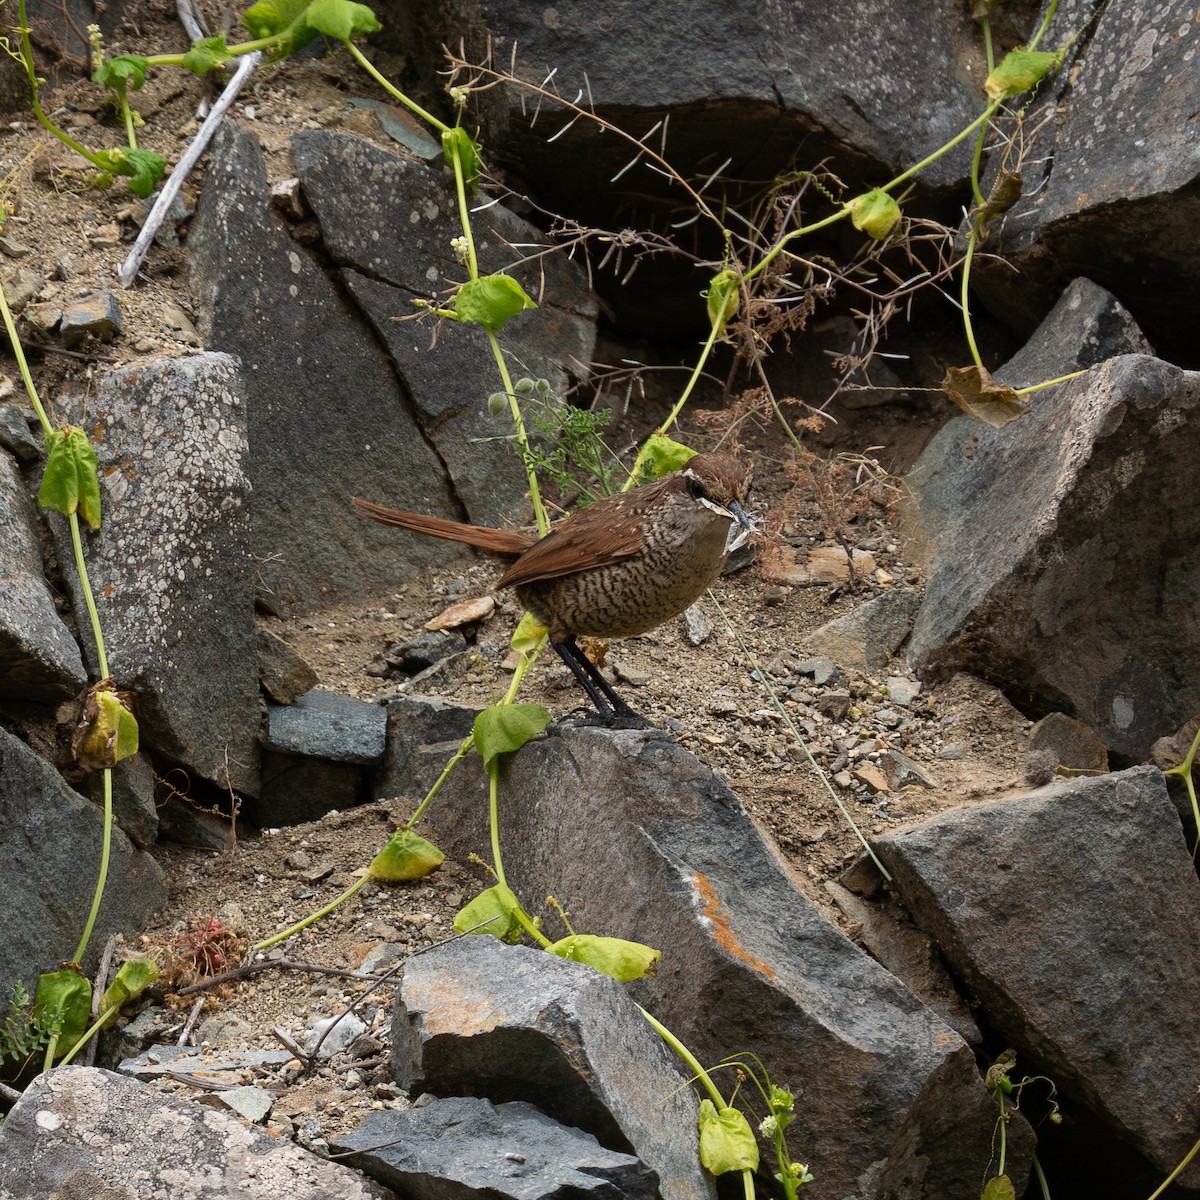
(63, 1001)
(131, 980)
(722, 298)
(726, 1140)
(610, 956)
(341, 19)
(206, 55)
(406, 856)
(490, 300)
(875, 213)
(126, 70)
(70, 483)
(507, 727)
(145, 168)
(282, 19)
(493, 912)
(660, 456)
(110, 732)
(528, 635)
(458, 144)
(999, 1187)
(1019, 70)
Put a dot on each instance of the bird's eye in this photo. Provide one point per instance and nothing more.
(697, 489)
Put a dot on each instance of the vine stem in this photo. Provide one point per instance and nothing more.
(965, 299)
(18, 350)
(312, 917)
(411, 105)
(102, 879)
(86, 585)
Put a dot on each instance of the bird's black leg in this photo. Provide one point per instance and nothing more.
(611, 709)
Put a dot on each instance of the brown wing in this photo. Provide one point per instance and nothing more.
(606, 532)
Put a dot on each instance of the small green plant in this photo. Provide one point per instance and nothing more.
(25, 1033)
(1007, 1095)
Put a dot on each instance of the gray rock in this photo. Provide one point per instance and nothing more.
(327, 725)
(1038, 903)
(219, 1067)
(331, 1036)
(1070, 743)
(49, 863)
(316, 752)
(283, 674)
(742, 80)
(393, 237)
(515, 1023)
(465, 1148)
(250, 1103)
(1112, 174)
(98, 315)
(424, 650)
(171, 568)
(1055, 570)
(326, 416)
(866, 638)
(15, 434)
(134, 805)
(187, 825)
(422, 734)
(40, 661)
(641, 840)
(69, 1120)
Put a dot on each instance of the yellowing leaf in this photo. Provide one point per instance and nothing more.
(131, 980)
(616, 957)
(458, 145)
(406, 856)
(999, 1187)
(107, 731)
(659, 456)
(875, 213)
(528, 634)
(62, 1002)
(975, 391)
(726, 1140)
(722, 298)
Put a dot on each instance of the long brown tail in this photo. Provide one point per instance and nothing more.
(503, 542)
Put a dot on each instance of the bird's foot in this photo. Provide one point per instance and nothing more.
(589, 718)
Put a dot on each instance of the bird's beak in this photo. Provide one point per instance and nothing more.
(741, 529)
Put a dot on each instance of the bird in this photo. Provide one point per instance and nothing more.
(617, 568)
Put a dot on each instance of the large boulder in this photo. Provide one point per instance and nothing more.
(170, 566)
(50, 844)
(1071, 916)
(641, 840)
(1060, 549)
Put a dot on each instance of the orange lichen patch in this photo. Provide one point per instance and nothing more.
(719, 920)
(448, 1008)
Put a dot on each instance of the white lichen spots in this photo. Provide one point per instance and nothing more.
(1123, 713)
(414, 217)
(293, 291)
(48, 1119)
(432, 274)
(432, 211)
(294, 262)
(375, 235)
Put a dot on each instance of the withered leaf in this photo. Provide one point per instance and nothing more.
(975, 391)
(107, 731)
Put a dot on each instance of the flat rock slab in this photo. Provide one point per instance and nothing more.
(49, 861)
(171, 567)
(515, 1023)
(77, 1121)
(1071, 914)
(466, 1148)
(639, 839)
(328, 725)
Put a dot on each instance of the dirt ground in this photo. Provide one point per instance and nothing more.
(65, 239)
